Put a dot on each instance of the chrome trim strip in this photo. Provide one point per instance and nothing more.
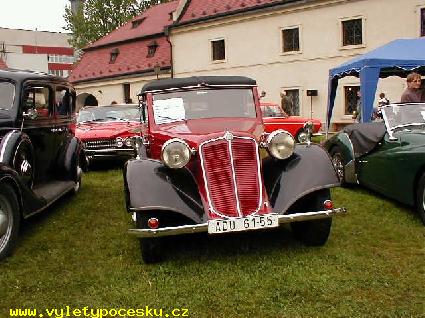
(232, 164)
(203, 227)
(3, 149)
(260, 181)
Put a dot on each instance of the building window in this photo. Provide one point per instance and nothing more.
(136, 23)
(352, 32)
(423, 22)
(218, 50)
(291, 40)
(294, 97)
(351, 98)
(114, 54)
(126, 89)
(152, 48)
(60, 73)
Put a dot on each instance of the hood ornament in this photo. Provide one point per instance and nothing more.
(228, 136)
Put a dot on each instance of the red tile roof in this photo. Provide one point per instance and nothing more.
(155, 19)
(132, 44)
(202, 9)
(131, 59)
(3, 65)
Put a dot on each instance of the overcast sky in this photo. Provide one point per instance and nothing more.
(45, 15)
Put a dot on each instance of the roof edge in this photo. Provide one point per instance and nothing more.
(144, 37)
(236, 12)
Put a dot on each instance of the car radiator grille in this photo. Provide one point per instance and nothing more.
(99, 144)
(231, 173)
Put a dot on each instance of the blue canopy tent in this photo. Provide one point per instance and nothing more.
(398, 57)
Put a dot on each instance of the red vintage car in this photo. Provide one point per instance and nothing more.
(106, 131)
(199, 167)
(275, 118)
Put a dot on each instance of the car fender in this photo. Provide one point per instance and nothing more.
(150, 186)
(343, 142)
(309, 169)
(69, 157)
(28, 202)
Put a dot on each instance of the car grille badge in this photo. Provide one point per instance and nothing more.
(228, 135)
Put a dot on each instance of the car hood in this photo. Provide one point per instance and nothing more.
(103, 130)
(196, 130)
(414, 138)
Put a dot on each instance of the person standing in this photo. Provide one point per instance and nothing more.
(286, 104)
(413, 93)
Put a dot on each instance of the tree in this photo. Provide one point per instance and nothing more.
(94, 19)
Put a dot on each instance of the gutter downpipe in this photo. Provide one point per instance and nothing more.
(167, 36)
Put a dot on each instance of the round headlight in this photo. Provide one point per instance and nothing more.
(281, 144)
(128, 142)
(119, 142)
(175, 153)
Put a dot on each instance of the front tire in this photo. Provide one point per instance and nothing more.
(420, 198)
(150, 248)
(9, 220)
(314, 232)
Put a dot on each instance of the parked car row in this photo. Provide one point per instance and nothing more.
(204, 155)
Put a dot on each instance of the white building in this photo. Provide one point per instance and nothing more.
(42, 51)
(291, 45)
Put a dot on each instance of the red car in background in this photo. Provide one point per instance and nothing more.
(275, 118)
(106, 131)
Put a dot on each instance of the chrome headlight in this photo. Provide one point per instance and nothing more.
(119, 142)
(280, 144)
(175, 153)
(128, 142)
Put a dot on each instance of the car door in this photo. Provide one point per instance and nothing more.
(37, 98)
(382, 169)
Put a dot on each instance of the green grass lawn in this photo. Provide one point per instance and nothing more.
(78, 254)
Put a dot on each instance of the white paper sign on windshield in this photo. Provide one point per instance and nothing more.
(168, 110)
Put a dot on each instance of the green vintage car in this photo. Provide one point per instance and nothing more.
(387, 157)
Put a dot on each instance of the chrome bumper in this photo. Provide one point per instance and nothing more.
(203, 227)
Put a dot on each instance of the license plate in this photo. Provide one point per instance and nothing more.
(242, 224)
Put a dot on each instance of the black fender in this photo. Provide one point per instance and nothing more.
(309, 169)
(150, 186)
(12, 146)
(70, 158)
(28, 201)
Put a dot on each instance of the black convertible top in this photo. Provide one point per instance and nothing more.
(21, 75)
(168, 83)
(365, 137)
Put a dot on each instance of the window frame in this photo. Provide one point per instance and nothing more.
(212, 41)
(421, 11)
(299, 89)
(282, 41)
(341, 31)
(346, 87)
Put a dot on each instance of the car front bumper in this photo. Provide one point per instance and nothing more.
(110, 153)
(203, 227)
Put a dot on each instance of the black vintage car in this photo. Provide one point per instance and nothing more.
(205, 164)
(39, 154)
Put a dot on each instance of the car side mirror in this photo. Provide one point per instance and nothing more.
(31, 113)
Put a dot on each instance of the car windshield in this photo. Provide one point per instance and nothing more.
(203, 103)
(404, 116)
(109, 113)
(7, 95)
(272, 111)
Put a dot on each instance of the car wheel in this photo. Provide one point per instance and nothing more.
(314, 232)
(9, 220)
(77, 185)
(338, 162)
(420, 198)
(150, 247)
